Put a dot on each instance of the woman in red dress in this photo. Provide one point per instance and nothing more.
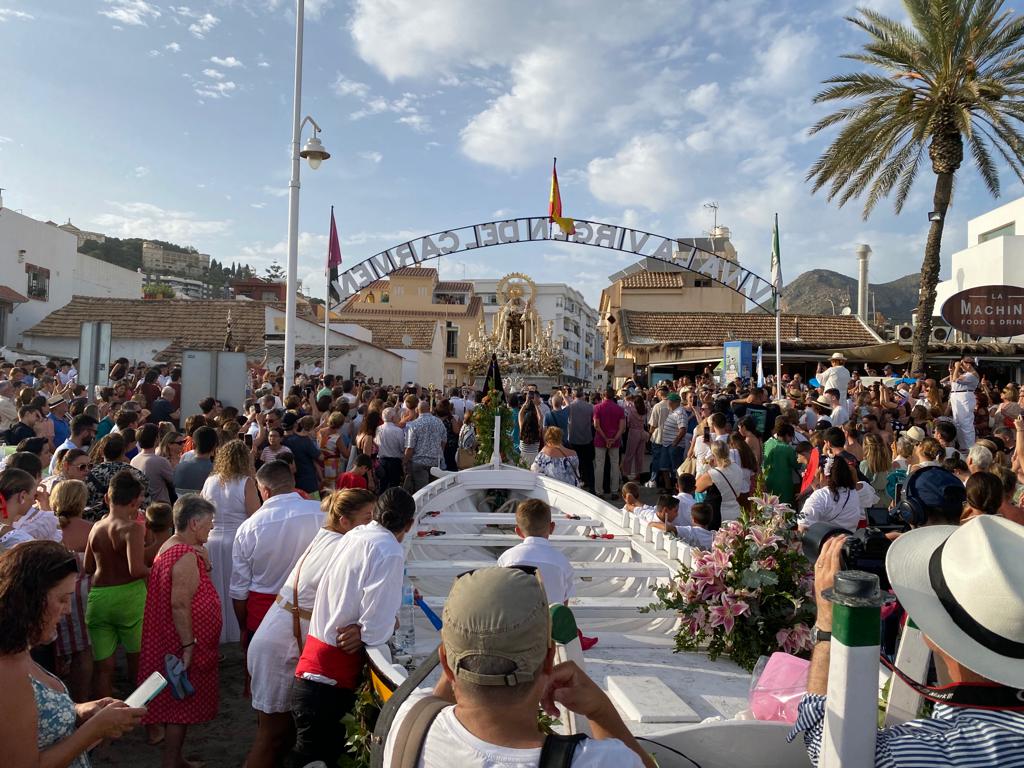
(182, 618)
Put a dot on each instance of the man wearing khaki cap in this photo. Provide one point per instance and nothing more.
(497, 660)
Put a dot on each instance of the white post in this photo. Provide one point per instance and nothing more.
(851, 706)
(778, 348)
(912, 658)
(293, 209)
(496, 451)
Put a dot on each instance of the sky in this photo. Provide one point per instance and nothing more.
(144, 119)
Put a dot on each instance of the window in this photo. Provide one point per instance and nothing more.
(558, 302)
(1007, 230)
(384, 298)
(370, 299)
(399, 290)
(451, 347)
(702, 282)
(38, 282)
(422, 290)
(565, 344)
(567, 324)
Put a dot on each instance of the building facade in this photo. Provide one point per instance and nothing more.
(575, 325)
(40, 263)
(157, 259)
(82, 234)
(413, 310)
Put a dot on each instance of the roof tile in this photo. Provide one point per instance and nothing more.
(649, 279)
(391, 333)
(415, 272)
(11, 296)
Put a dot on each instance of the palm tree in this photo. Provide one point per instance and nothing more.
(954, 75)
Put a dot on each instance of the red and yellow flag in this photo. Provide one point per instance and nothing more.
(567, 225)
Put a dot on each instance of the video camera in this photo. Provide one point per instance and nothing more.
(864, 549)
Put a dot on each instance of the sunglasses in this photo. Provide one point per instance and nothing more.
(66, 566)
(82, 467)
(179, 442)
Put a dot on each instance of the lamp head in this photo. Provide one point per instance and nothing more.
(314, 152)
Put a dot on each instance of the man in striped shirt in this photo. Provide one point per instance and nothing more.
(964, 588)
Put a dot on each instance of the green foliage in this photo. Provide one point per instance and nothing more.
(158, 291)
(359, 725)
(275, 272)
(953, 74)
(483, 420)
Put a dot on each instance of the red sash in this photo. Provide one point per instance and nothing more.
(319, 658)
(256, 607)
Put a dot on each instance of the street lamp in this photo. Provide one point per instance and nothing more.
(315, 153)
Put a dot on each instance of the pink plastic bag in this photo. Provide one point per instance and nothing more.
(777, 685)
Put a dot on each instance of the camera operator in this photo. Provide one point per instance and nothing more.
(963, 381)
(964, 588)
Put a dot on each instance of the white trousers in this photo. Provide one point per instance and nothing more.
(613, 460)
(962, 404)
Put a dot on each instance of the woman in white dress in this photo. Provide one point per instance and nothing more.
(274, 649)
(725, 476)
(841, 502)
(232, 491)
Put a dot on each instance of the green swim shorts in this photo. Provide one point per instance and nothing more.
(114, 617)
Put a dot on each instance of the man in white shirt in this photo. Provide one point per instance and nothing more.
(268, 544)
(497, 658)
(362, 585)
(840, 409)
(835, 377)
(533, 526)
(8, 408)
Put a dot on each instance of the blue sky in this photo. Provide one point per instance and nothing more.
(141, 118)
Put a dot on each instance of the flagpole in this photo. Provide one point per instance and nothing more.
(776, 289)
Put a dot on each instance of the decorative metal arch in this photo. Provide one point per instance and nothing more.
(679, 253)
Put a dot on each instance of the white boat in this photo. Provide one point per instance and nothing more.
(683, 702)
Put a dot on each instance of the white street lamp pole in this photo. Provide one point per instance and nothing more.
(293, 209)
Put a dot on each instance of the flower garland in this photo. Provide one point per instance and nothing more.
(751, 594)
(483, 419)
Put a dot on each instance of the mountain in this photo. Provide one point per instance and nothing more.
(809, 294)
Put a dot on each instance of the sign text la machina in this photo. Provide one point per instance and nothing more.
(680, 253)
(988, 310)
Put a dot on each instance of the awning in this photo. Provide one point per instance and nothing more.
(10, 296)
(891, 352)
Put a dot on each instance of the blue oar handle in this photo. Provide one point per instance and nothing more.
(434, 618)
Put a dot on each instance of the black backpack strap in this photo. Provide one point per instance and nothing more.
(390, 708)
(558, 750)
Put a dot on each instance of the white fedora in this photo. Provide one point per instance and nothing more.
(838, 356)
(964, 587)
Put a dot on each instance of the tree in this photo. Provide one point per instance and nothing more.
(955, 75)
(274, 273)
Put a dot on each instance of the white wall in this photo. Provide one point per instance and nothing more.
(134, 349)
(71, 273)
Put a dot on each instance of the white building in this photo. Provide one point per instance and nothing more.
(994, 254)
(575, 326)
(40, 269)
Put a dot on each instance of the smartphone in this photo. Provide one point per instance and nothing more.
(146, 692)
(247, 440)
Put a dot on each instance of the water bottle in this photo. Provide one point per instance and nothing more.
(405, 637)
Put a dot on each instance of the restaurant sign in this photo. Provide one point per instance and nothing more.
(988, 310)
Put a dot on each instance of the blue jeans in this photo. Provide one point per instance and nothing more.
(657, 458)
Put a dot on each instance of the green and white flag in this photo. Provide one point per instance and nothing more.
(776, 260)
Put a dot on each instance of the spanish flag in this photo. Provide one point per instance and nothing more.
(568, 226)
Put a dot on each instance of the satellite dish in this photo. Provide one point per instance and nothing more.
(407, 340)
(846, 311)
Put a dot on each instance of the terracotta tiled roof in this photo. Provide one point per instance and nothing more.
(11, 296)
(391, 333)
(415, 272)
(455, 285)
(377, 285)
(355, 310)
(708, 329)
(650, 279)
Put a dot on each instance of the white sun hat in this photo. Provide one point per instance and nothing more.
(964, 587)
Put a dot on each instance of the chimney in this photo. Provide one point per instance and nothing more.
(863, 254)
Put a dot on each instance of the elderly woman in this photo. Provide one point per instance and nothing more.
(182, 619)
(722, 485)
(390, 448)
(557, 461)
(274, 649)
(231, 489)
(39, 723)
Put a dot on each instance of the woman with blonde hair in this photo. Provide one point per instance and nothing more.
(74, 650)
(275, 647)
(722, 485)
(232, 491)
(557, 461)
(875, 466)
(171, 447)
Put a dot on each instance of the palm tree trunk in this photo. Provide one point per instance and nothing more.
(930, 271)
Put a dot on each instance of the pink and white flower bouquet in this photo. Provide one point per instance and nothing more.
(749, 595)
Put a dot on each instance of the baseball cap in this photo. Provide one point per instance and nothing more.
(673, 397)
(937, 488)
(497, 613)
(289, 420)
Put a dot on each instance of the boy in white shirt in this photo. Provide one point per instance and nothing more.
(686, 486)
(533, 526)
(697, 534)
(633, 505)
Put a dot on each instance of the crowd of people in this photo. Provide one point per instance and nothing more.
(278, 523)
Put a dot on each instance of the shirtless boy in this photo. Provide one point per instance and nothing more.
(115, 557)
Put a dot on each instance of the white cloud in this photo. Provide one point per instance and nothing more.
(406, 105)
(704, 98)
(784, 63)
(214, 74)
(131, 12)
(216, 90)
(258, 205)
(228, 62)
(275, 191)
(372, 155)
(153, 53)
(140, 171)
(5, 139)
(11, 13)
(263, 64)
(172, 47)
(419, 123)
(647, 171)
(202, 25)
(345, 87)
(147, 220)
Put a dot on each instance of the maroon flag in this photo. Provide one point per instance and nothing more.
(333, 260)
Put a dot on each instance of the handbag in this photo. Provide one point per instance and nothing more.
(465, 458)
(688, 467)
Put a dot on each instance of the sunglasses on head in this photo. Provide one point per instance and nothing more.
(529, 570)
(66, 566)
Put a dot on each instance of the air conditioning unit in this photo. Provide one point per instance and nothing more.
(974, 337)
(904, 332)
(941, 333)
